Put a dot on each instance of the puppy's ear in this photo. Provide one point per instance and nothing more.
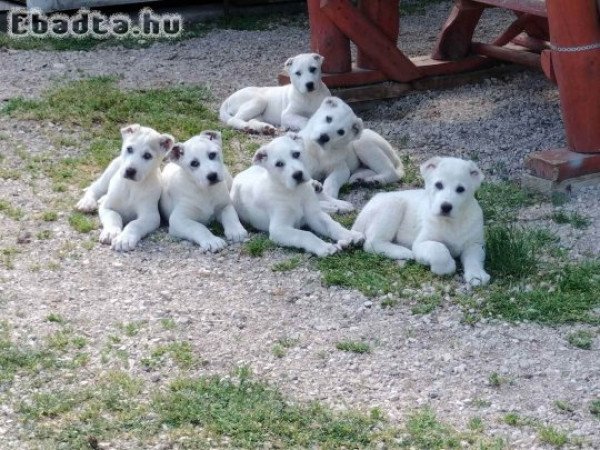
(260, 157)
(429, 166)
(175, 153)
(295, 137)
(288, 63)
(130, 130)
(165, 142)
(358, 127)
(330, 101)
(476, 174)
(318, 58)
(212, 135)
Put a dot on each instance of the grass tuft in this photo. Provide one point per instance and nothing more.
(574, 219)
(258, 245)
(11, 211)
(353, 346)
(582, 339)
(287, 265)
(82, 223)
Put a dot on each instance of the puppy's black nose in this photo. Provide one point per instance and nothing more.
(323, 139)
(130, 173)
(310, 86)
(213, 177)
(298, 176)
(446, 208)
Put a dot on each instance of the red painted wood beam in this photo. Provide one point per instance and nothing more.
(327, 40)
(371, 40)
(454, 42)
(386, 15)
(562, 164)
(522, 57)
(535, 7)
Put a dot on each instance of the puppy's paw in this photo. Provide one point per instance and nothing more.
(124, 242)
(328, 249)
(238, 234)
(269, 130)
(87, 204)
(213, 244)
(364, 182)
(250, 130)
(353, 238)
(342, 207)
(444, 267)
(477, 278)
(107, 235)
(317, 186)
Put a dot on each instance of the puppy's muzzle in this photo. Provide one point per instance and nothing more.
(323, 139)
(298, 176)
(130, 173)
(213, 177)
(310, 86)
(446, 209)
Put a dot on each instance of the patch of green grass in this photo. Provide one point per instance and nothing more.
(11, 211)
(371, 274)
(44, 235)
(353, 346)
(501, 202)
(168, 323)
(7, 257)
(131, 328)
(346, 220)
(287, 265)
(9, 174)
(425, 305)
(55, 318)
(412, 176)
(552, 436)
(389, 303)
(81, 222)
(476, 424)
(258, 245)
(581, 339)
(49, 216)
(181, 353)
(595, 408)
(278, 350)
(563, 405)
(515, 420)
(496, 380)
(64, 339)
(574, 219)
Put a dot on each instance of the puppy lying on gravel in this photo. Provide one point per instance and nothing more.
(277, 195)
(128, 190)
(195, 191)
(340, 150)
(262, 109)
(432, 225)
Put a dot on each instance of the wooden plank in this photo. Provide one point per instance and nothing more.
(454, 42)
(535, 7)
(559, 165)
(509, 54)
(371, 40)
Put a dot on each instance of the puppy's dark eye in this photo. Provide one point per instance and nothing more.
(212, 155)
(195, 163)
(129, 149)
(312, 69)
(295, 155)
(460, 189)
(279, 164)
(328, 119)
(298, 73)
(341, 132)
(439, 186)
(147, 156)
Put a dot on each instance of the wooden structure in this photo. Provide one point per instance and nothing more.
(562, 37)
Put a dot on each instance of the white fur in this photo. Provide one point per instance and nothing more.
(262, 109)
(412, 224)
(195, 192)
(277, 195)
(340, 150)
(127, 192)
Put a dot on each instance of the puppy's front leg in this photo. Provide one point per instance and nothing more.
(436, 255)
(293, 121)
(135, 230)
(323, 224)
(283, 233)
(112, 224)
(183, 227)
(89, 201)
(472, 259)
(234, 231)
(335, 180)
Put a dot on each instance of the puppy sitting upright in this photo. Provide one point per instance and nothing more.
(196, 191)
(262, 109)
(129, 189)
(340, 150)
(432, 225)
(277, 195)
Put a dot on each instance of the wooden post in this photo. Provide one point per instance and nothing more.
(328, 41)
(386, 15)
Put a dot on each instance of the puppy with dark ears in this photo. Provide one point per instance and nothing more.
(195, 192)
(277, 195)
(128, 191)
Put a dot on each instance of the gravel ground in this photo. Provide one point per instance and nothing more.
(233, 308)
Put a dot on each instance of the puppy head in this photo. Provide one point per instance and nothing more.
(334, 124)
(201, 157)
(305, 71)
(450, 183)
(282, 158)
(142, 151)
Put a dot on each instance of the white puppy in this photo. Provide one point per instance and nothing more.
(276, 195)
(196, 191)
(128, 190)
(432, 225)
(340, 150)
(262, 109)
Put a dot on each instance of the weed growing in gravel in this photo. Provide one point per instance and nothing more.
(168, 324)
(44, 235)
(581, 339)
(55, 318)
(563, 405)
(353, 346)
(495, 380)
(181, 353)
(595, 408)
(425, 305)
(49, 216)
(287, 265)
(82, 223)
(278, 350)
(7, 257)
(258, 245)
(574, 219)
(552, 436)
(11, 211)
(9, 174)
(131, 328)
